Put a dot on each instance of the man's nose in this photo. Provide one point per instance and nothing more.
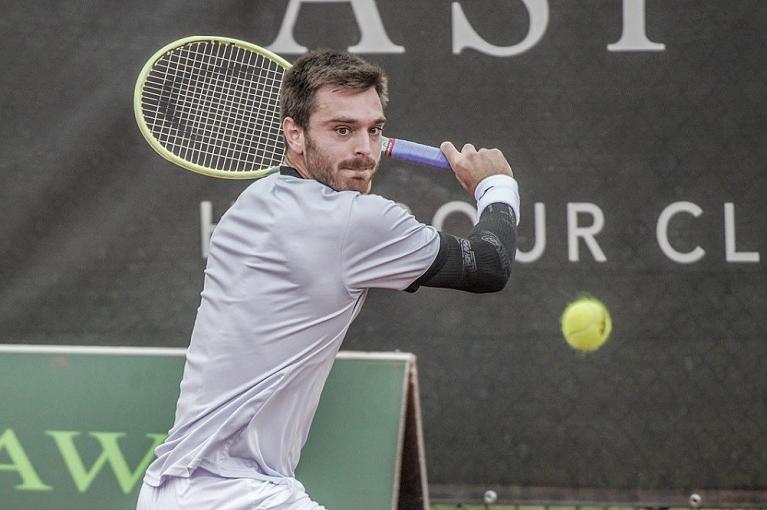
(364, 144)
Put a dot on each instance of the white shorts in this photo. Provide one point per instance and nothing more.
(206, 491)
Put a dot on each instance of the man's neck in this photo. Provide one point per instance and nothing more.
(295, 161)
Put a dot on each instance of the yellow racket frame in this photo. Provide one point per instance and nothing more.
(157, 146)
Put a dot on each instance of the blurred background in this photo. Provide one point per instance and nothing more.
(636, 130)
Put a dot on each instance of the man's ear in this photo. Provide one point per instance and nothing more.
(294, 135)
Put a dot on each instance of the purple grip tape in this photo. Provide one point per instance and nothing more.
(416, 153)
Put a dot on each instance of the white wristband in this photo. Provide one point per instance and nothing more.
(497, 188)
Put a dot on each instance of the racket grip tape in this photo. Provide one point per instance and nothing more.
(411, 152)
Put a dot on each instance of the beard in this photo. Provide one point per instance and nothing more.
(354, 174)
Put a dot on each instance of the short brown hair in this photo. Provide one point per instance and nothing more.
(326, 67)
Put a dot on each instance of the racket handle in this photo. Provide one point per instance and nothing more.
(412, 152)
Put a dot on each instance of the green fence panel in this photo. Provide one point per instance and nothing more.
(78, 427)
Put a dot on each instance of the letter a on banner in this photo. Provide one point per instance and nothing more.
(373, 34)
(20, 463)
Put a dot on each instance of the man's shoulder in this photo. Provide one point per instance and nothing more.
(317, 194)
(374, 205)
(312, 198)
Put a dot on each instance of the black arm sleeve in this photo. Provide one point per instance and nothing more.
(479, 263)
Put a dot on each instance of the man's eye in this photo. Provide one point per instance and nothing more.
(343, 131)
(376, 130)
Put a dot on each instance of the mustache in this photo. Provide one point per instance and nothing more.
(359, 163)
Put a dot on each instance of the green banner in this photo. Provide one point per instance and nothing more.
(78, 427)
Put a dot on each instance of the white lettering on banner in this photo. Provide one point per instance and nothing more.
(661, 233)
(374, 39)
(731, 253)
(373, 34)
(586, 233)
(111, 455)
(464, 35)
(539, 232)
(634, 37)
(575, 231)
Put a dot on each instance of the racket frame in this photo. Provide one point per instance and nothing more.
(156, 145)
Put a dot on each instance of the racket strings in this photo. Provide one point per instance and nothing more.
(216, 105)
(227, 117)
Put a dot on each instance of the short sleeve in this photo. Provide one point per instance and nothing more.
(385, 246)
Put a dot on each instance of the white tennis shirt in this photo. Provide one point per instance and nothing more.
(288, 270)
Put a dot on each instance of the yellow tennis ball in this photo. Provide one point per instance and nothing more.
(586, 324)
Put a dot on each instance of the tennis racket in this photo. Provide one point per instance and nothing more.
(211, 105)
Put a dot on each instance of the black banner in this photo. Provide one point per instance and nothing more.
(636, 129)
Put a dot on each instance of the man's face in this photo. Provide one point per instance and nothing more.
(342, 144)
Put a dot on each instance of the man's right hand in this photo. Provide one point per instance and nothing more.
(471, 166)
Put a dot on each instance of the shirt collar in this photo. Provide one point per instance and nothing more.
(289, 170)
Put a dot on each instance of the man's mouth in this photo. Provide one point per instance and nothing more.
(359, 165)
(359, 174)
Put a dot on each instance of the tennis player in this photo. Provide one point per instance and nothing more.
(289, 267)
